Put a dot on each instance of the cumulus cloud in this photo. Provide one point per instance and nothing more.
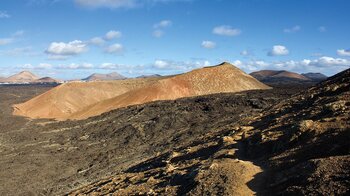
(326, 61)
(161, 64)
(66, 49)
(4, 14)
(208, 44)
(343, 52)
(325, 64)
(97, 41)
(110, 66)
(44, 66)
(113, 34)
(162, 24)
(179, 65)
(226, 30)
(292, 30)
(76, 66)
(114, 49)
(39, 66)
(107, 3)
(278, 50)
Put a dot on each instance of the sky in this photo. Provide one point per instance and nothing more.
(70, 39)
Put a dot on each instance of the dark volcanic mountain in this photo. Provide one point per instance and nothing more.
(149, 76)
(46, 80)
(273, 76)
(315, 76)
(110, 76)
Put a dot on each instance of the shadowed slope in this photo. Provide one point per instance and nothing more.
(268, 74)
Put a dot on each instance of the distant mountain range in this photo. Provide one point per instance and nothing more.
(26, 77)
(266, 76)
(149, 76)
(110, 76)
(79, 100)
(282, 76)
(315, 76)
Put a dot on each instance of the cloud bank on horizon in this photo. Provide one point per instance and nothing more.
(71, 38)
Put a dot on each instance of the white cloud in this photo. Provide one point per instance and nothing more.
(4, 14)
(67, 49)
(114, 49)
(97, 41)
(292, 30)
(326, 61)
(112, 35)
(226, 30)
(278, 50)
(107, 3)
(44, 66)
(39, 66)
(343, 52)
(76, 66)
(208, 44)
(109, 66)
(327, 65)
(158, 33)
(162, 24)
(5, 41)
(180, 65)
(161, 64)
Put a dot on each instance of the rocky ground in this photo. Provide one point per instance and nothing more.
(51, 158)
(268, 142)
(298, 147)
(303, 142)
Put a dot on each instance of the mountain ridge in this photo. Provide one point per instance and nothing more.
(109, 76)
(221, 78)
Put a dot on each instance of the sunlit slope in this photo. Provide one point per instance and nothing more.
(217, 79)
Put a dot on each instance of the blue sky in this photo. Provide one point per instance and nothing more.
(73, 38)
